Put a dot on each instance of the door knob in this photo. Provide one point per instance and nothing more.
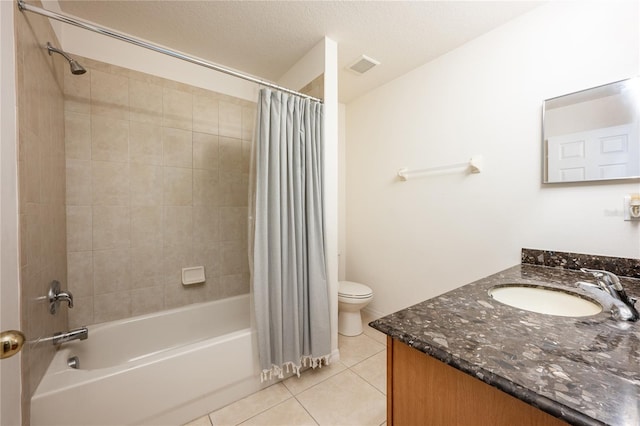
(11, 342)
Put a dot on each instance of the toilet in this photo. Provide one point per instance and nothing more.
(352, 297)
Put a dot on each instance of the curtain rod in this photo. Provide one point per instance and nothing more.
(67, 19)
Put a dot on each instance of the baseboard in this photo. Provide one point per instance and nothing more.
(335, 356)
(372, 313)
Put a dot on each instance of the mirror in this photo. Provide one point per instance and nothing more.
(592, 135)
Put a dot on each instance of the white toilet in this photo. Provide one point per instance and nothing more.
(352, 297)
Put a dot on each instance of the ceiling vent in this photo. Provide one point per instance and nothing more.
(363, 64)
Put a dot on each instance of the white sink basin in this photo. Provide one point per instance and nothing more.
(545, 300)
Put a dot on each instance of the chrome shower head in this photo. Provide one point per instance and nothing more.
(76, 68)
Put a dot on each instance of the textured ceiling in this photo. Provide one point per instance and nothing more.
(265, 38)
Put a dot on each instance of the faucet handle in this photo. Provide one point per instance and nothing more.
(595, 272)
(609, 278)
(56, 296)
(585, 285)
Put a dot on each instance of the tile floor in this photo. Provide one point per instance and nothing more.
(351, 392)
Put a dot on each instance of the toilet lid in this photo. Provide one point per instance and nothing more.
(354, 290)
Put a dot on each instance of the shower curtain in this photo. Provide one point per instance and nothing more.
(288, 269)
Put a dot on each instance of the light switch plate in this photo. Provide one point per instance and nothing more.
(626, 208)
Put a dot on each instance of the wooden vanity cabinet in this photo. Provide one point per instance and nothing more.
(422, 390)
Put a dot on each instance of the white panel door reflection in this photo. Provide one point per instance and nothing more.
(604, 153)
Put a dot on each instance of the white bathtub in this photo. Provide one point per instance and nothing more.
(163, 368)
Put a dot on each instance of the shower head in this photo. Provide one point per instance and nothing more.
(76, 68)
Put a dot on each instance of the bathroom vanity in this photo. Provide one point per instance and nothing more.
(464, 358)
(425, 391)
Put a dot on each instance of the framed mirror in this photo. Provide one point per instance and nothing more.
(593, 134)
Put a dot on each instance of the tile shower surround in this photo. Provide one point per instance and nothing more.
(157, 180)
(41, 192)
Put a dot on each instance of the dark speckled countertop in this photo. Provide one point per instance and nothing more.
(585, 370)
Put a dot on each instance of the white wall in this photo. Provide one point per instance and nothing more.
(10, 386)
(77, 41)
(342, 191)
(413, 240)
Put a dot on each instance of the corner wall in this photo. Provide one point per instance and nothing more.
(41, 179)
(414, 240)
(10, 368)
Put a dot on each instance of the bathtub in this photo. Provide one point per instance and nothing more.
(163, 368)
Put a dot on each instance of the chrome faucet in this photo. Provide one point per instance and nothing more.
(56, 296)
(610, 283)
(65, 296)
(78, 334)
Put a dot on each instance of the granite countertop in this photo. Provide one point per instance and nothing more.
(585, 370)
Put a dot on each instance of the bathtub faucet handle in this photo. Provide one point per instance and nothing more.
(56, 296)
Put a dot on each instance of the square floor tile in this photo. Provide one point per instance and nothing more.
(374, 370)
(370, 331)
(358, 348)
(344, 399)
(376, 335)
(202, 421)
(289, 413)
(312, 377)
(250, 406)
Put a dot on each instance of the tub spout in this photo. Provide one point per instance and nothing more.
(78, 334)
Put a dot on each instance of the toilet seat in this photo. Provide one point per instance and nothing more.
(351, 290)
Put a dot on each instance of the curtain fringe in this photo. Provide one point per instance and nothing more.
(277, 372)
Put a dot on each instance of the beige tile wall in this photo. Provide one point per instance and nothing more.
(41, 180)
(157, 176)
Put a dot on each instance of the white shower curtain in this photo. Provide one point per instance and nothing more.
(288, 272)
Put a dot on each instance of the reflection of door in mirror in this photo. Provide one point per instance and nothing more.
(603, 153)
(593, 134)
